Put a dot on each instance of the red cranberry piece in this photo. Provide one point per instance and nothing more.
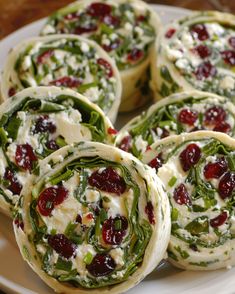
(231, 42)
(205, 70)
(66, 82)
(108, 180)
(72, 16)
(141, 18)
(25, 156)
(14, 186)
(85, 28)
(11, 92)
(112, 131)
(156, 162)
(190, 156)
(203, 51)
(181, 195)
(187, 116)
(52, 145)
(219, 220)
(98, 9)
(114, 45)
(51, 197)
(222, 127)
(102, 265)
(44, 124)
(199, 31)
(79, 219)
(214, 115)
(165, 133)
(111, 234)
(62, 245)
(107, 66)
(111, 20)
(150, 212)
(170, 33)
(125, 144)
(44, 56)
(226, 185)
(216, 169)
(135, 55)
(228, 56)
(19, 223)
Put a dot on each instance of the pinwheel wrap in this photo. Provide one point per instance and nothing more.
(196, 52)
(36, 122)
(198, 172)
(94, 219)
(179, 113)
(64, 61)
(126, 29)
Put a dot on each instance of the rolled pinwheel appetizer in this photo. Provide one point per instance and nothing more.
(198, 172)
(69, 61)
(183, 112)
(196, 52)
(125, 29)
(36, 122)
(94, 218)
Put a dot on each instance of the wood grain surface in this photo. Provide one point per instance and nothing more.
(17, 13)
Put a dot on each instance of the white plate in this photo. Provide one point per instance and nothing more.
(17, 277)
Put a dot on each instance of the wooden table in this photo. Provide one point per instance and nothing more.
(17, 13)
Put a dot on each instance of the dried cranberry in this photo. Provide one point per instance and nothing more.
(141, 18)
(44, 56)
(43, 124)
(14, 185)
(156, 162)
(135, 55)
(112, 131)
(199, 31)
(181, 195)
(85, 28)
(226, 185)
(222, 127)
(25, 156)
(52, 145)
(111, 20)
(203, 51)
(101, 265)
(66, 82)
(219, 220)
(98, 9)
(187, 116)
(107, 66)
(150, 212)
(231, 42)
(62, 245)
(125, 144)
(111, 234)
(165, 133)
(216, 169)
(190, 156)
(228, 56)
(79, 219)
(50, 197)
(11, 92)
(214, 115)
(205, 70)
(112, 46)
(170, 33)
(108, 180)
(19, 223)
